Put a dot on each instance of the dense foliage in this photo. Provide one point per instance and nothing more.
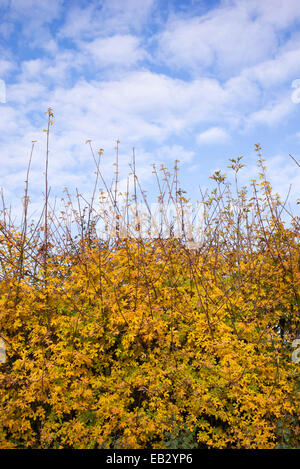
(129, 342)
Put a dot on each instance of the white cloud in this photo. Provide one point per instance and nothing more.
(5, 66)
(80, 22)
(128, 13)
(25, 93)
(110, 17)
(168, 153)
(233, 37)
(274, 12)
(118, 50)
(43, 12)
(98, 68)
(212, 136)
(226, 38)
(273, 113)
(137, 107)
(284, 67)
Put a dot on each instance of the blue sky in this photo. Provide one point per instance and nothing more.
(194, 80)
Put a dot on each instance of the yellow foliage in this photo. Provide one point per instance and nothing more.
(117, 345)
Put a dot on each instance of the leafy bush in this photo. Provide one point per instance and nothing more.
(134, 342)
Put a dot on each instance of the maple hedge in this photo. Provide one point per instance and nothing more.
(130, 342)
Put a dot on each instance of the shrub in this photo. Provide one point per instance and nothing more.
(134, 342)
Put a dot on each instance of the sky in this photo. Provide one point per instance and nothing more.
(194, 80)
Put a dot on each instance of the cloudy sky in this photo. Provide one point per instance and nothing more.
(200, 81)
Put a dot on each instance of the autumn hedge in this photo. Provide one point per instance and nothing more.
(135, 342)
